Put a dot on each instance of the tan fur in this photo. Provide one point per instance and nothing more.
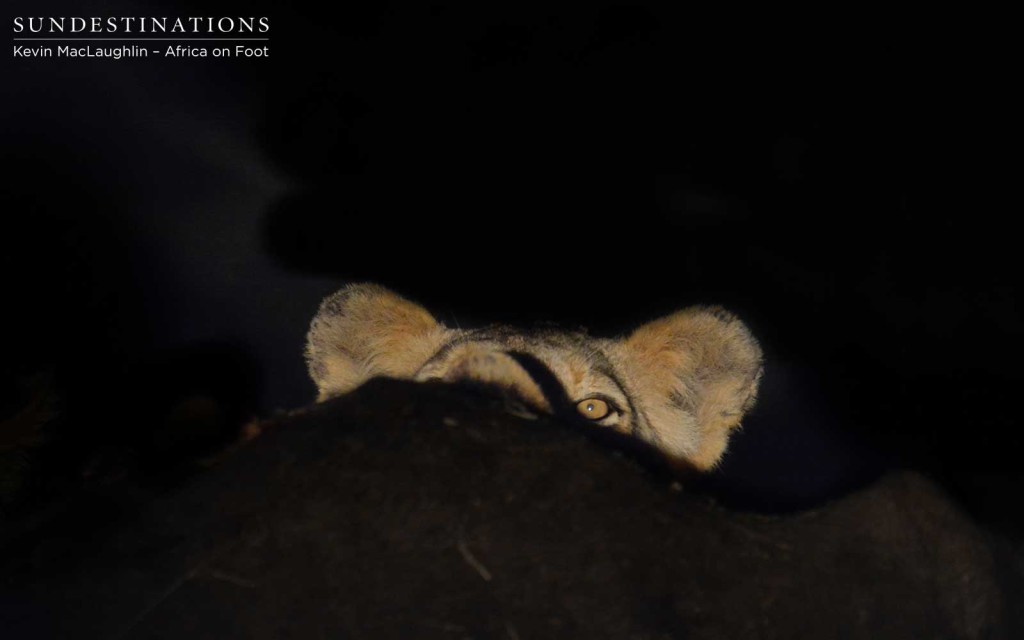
(365, 331)
(681, 383)
(477, 363)
(709, 363)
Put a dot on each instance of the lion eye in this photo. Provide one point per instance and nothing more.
(593, 409)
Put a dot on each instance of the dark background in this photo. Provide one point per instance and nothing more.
(170, 225)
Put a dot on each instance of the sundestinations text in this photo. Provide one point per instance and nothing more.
(151, 25)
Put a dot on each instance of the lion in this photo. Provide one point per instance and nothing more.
(680, 383)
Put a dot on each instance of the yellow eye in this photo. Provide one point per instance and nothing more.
(593, 409)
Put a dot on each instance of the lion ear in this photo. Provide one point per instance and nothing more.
(695, 373)
(364, 331)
